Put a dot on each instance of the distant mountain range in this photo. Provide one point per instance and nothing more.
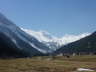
(54, 42)
(20, 42)
(86, 45)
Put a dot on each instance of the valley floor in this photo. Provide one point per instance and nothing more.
(48, 64)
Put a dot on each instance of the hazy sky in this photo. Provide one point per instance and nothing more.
(58, 17)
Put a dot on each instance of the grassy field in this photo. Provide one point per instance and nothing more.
(47, 64)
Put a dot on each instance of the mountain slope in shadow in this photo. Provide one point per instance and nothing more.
(16, 43)
(85, 45)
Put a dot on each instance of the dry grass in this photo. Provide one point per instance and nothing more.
(46, 64)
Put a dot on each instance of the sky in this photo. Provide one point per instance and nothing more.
(58, 17)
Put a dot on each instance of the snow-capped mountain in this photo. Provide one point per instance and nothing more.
(52, 41)
(19, 42)
(44, 37)
(71, 38)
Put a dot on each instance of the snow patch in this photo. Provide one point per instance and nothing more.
(84, 69)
